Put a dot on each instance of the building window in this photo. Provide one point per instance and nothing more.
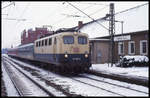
(120, 48)
(143, 47)
(131, 47)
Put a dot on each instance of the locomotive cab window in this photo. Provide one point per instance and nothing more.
(68, 39)
(82, 40)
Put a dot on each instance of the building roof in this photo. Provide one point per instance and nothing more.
(130, 22)
(129, 33)
(93, 39)
(74, 29)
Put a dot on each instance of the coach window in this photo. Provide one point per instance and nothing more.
(131, 47)
(68, 39)
(45, 42)
(36, 44)
(39, 43)
(50, 41)
(55, 40)
(82, 40)
(42, 42)
(143, 47)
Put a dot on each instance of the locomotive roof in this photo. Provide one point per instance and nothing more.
(63, 33)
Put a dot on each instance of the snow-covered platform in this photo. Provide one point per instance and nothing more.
(137, 75)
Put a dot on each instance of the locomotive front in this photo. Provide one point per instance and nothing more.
(76, 53)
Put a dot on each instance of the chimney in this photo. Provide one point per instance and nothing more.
(80, 24)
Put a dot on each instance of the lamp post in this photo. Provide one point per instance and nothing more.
(121, 25)
(122, 36)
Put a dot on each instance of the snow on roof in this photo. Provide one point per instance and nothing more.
(135, 19)
(92, 39)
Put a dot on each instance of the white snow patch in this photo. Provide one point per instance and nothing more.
(10, 89)
(137, 58)
(137, 71)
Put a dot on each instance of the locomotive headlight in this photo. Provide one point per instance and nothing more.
(75, 33)
(86, 55)
(66, 55)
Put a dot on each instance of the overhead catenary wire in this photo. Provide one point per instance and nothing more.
(23, 13)
(85, 8)
(24, 10)
(9, 5)
(50, 14)
(89, 16)
(74, 15)
(98, 10)
(95, 4)
(63, 19)
(14, 19)
(131, 8)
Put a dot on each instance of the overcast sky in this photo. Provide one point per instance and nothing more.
(56, 14)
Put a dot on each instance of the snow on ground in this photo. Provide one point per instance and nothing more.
(137, 71)
(138, 58)
(10, 89)
(77, 88)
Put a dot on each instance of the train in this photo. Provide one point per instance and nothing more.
(66, 51)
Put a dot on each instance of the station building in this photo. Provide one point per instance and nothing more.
(132, 43)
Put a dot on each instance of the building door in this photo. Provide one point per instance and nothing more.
(99, 56)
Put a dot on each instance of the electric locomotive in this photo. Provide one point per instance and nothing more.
(68, 51)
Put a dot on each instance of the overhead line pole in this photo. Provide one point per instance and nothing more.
(111, 32)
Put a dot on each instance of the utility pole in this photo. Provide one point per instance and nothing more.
(111, 32)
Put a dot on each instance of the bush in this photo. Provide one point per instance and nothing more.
(129, 61)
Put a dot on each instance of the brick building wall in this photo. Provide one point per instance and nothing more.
(135, 37)
(30, 35)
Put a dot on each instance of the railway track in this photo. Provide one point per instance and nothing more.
(14, 73)
(113, 86)
(97, 87)
(109, 87)
(46, 81)
(22, 89)
(140, 91)
(129, 79)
